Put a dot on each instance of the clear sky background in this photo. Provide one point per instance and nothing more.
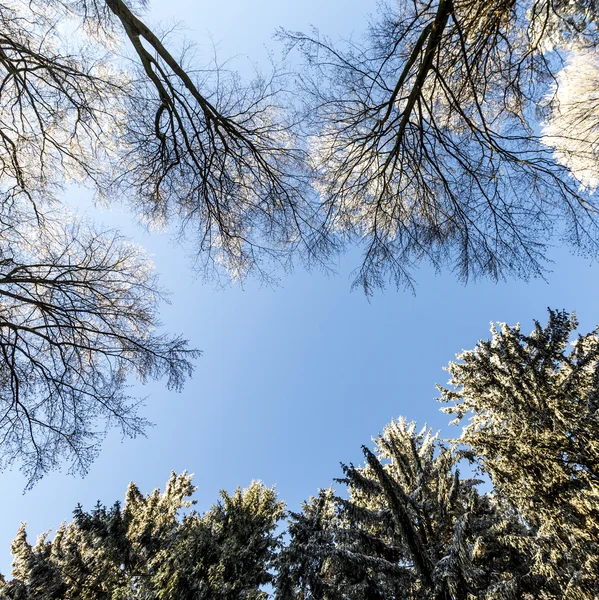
(293, 379)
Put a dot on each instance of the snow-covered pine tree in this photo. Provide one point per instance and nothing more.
(34, 575)
(145, 549)
(533, 408)
(410, 528)
(227, 553)
(307, 567)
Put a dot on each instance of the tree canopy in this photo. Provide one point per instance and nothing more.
(458, 132)
(453, 131)
(78, 314)
(450, 132)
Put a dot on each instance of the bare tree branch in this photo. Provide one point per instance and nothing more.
(425, 142)
(77, 316)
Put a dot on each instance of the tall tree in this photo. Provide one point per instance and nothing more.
(425, 136)
(423, 143)
(533, 408)
(410, 528)
(78, 315)
(78, 305)
(426, 142)
(145, 549)
(174, 141)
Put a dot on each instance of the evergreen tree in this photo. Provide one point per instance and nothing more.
(533, 403)
(410, 528)
(225, 554)
(306, 567)
(34, 575)
(145, 550)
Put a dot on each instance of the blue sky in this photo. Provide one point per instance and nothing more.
(293, 379)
